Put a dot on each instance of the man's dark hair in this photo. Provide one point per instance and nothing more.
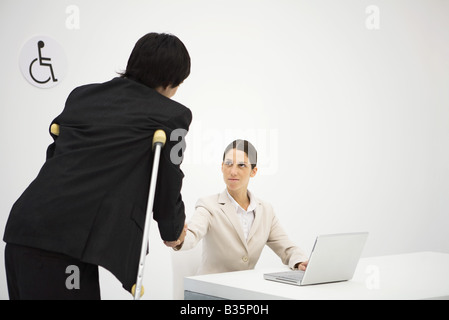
(246, 147)
(158, 60)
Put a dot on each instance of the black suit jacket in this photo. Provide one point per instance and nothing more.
(89, 199)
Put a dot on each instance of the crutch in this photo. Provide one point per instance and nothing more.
(159, 139)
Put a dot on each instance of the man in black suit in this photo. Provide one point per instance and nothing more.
(87, 205)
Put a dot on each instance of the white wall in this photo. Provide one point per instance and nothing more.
(349, 109)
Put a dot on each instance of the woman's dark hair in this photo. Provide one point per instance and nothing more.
(246, 147)
(158, 60)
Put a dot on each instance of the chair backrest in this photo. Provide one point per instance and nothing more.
(184, 264)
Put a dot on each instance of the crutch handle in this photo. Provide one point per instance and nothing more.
(54, 129)
(159, 137)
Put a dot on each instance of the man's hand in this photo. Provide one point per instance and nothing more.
(176, 243)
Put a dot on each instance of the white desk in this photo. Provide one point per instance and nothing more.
(423, 275)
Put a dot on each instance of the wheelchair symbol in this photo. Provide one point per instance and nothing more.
(45, 62)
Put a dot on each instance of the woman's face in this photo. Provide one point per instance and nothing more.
(237, 170)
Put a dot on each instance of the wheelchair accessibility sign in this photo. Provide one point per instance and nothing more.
(43, 62)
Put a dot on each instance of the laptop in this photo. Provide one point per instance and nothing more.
(334, 258)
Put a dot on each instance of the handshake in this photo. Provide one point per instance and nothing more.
(173, 244)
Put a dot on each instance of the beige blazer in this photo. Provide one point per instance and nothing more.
(225, 248)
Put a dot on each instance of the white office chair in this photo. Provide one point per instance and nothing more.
(184, 264)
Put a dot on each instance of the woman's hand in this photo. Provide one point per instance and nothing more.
(302, 266)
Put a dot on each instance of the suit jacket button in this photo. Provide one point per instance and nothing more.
(245, 259)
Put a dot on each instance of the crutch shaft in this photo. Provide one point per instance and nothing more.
(144, 248)
(159, 139)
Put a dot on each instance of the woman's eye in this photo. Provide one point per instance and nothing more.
(242, 165)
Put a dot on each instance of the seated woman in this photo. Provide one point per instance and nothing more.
(234, 224)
